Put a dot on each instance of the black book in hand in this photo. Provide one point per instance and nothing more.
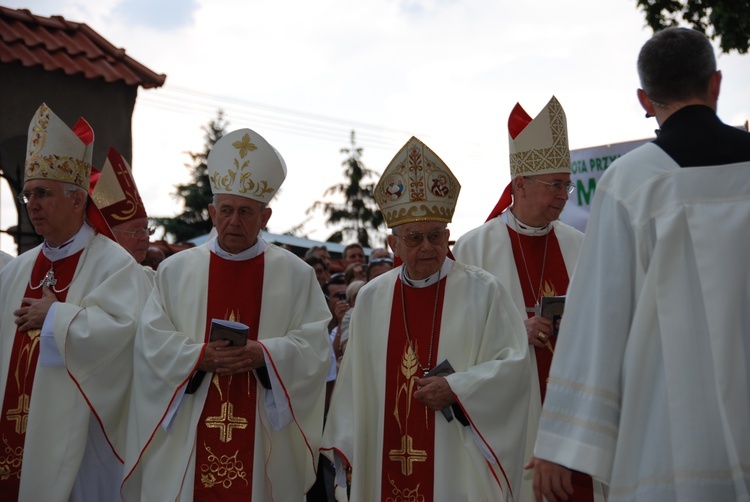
(235, 332)
(445, 369)
(552, 308)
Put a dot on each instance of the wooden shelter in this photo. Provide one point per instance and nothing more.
(78, 73)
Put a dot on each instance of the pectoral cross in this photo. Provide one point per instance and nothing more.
(49, 279)
(536, 310)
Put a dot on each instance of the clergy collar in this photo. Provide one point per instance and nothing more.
(510, 219)
(255, 250)
(423, 283)
(79, 241)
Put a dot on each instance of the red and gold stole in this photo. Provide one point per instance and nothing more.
(554, 283)
(23, 362)
(225, 441)
(409, 426)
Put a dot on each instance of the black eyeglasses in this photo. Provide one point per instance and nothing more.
(40, 193)
(413, 238)
(556, 186)
(138, 231)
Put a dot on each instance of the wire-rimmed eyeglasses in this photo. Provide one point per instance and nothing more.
(138, 232)
(413, 238)
(39, 193)
(556, 186)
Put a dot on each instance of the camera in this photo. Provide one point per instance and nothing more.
(342, 297)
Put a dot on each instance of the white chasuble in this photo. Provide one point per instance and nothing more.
(482, 336)
(160, 462)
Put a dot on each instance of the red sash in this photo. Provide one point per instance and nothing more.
(225, 442)
(409, 426)
(23, 362)
(555, 284)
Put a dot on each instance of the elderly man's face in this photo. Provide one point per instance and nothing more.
(425, 258)
(238, 221)
(133, 236)
(536, 203)
(56, 216)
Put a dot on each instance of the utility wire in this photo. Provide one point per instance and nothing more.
(182, 100)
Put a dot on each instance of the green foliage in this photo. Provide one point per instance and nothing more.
(727, 20)
(195, 221)
(358, 213)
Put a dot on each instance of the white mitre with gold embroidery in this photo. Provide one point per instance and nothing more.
(57, 152)
(243, 163)
(417, 186)
(538, 146)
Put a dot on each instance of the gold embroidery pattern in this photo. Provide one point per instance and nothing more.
(416, 177)
(406, 454)
(245, 182)
(20, 414)
(222, 471)
(418, 166)
(10, 461)
(542, 159)
(405, 495)
(548, 289)
(226, 422)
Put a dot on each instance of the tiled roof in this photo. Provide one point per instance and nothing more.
(57, 44)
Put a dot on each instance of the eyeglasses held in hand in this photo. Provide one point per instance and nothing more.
(413, 239)
(555, 187)
(138, 231)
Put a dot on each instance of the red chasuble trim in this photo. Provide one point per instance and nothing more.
(409, 427)
(21, 372)
(490, 465)
(225, 440)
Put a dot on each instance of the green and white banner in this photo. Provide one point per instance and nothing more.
(588, 165)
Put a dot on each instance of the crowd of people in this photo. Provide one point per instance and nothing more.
(239, 371)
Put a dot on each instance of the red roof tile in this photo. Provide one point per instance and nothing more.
(57, 44)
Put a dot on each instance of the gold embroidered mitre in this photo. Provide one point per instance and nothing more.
(243, 163)
(114, 191)
(56, 152)
(538, 146)
(417, 186)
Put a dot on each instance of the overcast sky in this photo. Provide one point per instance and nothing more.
(304, 74)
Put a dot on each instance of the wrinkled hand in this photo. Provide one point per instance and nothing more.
(552, 482)
(435, 393)
(34, 310)
(224, 360)
(538, 326)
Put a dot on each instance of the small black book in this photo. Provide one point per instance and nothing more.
(552, 308)
(445, 369)
(235, 332)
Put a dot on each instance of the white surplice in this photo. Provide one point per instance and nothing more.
(483, 338)
(160, 458)
(649, 387)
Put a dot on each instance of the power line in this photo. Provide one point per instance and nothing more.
(178, 99)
